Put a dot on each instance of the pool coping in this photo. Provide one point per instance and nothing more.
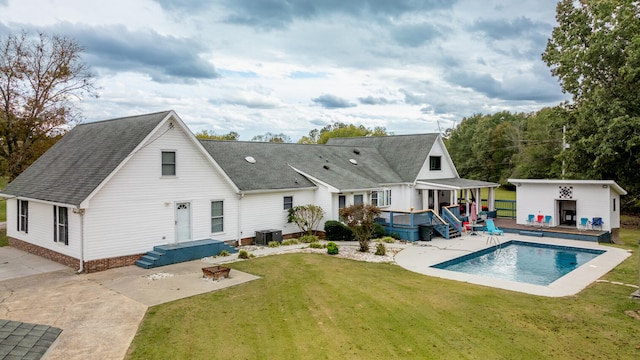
(420, 257)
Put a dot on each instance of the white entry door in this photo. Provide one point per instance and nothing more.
(183, 221)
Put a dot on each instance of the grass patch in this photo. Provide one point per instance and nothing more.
(3, 238)
(303, 308)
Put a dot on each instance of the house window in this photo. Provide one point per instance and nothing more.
(168, 163)
(435, 163)
(60, 225)
(614, 204)
(342, 201)
(217, 216)
(358, 199)
(288, 202)
(381, 198)
(23, 216)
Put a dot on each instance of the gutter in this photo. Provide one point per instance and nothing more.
(81, 212)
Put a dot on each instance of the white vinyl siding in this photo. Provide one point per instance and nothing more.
(135, 210)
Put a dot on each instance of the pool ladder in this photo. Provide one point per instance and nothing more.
(493, 240)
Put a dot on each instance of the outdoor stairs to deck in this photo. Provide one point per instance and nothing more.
(185, 251)
(453, 232)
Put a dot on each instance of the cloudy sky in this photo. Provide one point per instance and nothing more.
(289, 66)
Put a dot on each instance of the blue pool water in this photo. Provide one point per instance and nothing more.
(538, 264)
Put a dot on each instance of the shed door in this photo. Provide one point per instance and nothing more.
(183, 221)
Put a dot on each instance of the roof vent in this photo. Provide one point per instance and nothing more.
(353, 161)
(250, 159)
(356, 151)
(326, 167)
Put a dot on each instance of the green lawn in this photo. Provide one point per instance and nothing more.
(309, 306)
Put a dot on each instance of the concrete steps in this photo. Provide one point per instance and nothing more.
(186, 251)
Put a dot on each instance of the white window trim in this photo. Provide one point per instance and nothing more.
(383, 198)
(175, 163)
(211, 216)
(284, 202)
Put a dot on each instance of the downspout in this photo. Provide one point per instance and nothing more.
(239, 224)
(81, 212)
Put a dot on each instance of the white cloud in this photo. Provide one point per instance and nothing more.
(288, 66)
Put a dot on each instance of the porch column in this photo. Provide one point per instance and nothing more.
(466, 200)
(491, 199)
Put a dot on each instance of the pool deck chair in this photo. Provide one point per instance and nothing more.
(492, 229)
(547, 221)
(531, 219)
(596, 223)
(539, 220)
(584, 224)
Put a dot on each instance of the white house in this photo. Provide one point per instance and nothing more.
(109, 191)
(570, 202)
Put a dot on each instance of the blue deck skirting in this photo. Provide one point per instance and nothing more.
(185, 251)
(601, 238)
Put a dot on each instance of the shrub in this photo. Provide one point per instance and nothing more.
(308, 239)
(388, 239)
(332, 248)
(224, 253)
(381, 249)
(316, 245)
(395, 236)
(306, 217)
(273, 244)
(290, 242)
(378, 231)
(337, 231)
(360, 219)
(243, 254)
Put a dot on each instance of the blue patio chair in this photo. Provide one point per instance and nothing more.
(596, 222)
(531, 219)
(547, 221)
(492, 229)
(584, 224)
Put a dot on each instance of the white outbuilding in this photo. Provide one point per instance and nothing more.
(583, 204)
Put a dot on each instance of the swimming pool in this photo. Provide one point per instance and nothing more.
(531, 263)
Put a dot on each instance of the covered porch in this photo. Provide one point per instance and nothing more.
(438, 194)
(441, 208)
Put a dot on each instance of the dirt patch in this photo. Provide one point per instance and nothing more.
(633, 313)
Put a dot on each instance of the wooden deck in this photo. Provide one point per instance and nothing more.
(564, 232)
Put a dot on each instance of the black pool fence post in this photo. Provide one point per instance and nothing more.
(636, 294)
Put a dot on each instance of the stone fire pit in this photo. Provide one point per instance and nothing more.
(216, 272)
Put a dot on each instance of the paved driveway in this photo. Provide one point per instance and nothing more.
(98, 313)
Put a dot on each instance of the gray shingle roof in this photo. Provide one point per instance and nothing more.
(82, 159)
(405, 153)
(459, 183)
(274, 161)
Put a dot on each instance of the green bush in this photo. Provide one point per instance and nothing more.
(308, 239)
(243, 254)
(381, 249)
(273, 244)
(224, 253)
(337, 231)
(388, 239)
(290, 242)
(332, 248)
(316, 245)
(395, 236)
(378, 231)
